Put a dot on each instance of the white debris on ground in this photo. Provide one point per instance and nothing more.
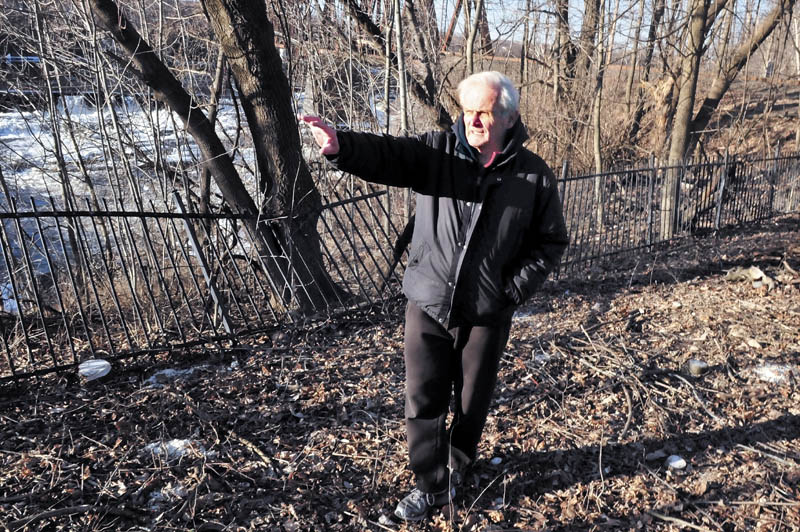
(165, 376)
(776, 373)
(177, 448)
(94, 369)
(166, 496)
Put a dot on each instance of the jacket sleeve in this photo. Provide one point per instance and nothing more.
(382, 159)
(543, 244)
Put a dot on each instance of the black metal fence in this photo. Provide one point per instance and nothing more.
(636, 208)
(112, 283)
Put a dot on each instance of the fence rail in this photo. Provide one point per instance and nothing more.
(108, 282)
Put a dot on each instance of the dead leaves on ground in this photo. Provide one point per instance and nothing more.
(305, 431)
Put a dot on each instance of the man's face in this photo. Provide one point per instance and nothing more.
(484, 123)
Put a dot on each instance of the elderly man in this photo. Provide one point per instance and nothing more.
(489, 229)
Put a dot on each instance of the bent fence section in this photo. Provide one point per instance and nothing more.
(112, 283)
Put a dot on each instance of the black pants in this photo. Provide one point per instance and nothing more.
(441, 363)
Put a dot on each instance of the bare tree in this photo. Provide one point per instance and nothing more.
(727, 72)
(245, 34)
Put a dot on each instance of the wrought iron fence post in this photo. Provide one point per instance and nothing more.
(212, 287)
(562, 192)
(772, 178)
(718, 215)
(676, 198)
(564, 171)
(651, 190)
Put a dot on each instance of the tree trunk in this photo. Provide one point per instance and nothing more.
(168, 89)
(596, 108)
(588, 36)
(523, 54)
(417, 87)
(423, 30)
(216, 94)
(796, 37)
(401, 67)
(247, 37)
(634, 60)
(638, 115)
(473, 33)
(679, 139)
(567, 53)
(428, 24)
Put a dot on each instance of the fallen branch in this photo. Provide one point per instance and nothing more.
(629, 402)
(19, 524)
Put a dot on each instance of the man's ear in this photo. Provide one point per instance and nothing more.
(512, 119)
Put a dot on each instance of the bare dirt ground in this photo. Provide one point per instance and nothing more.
(304, 431)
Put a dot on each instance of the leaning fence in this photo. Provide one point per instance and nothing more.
(106, 282)
(111, 283)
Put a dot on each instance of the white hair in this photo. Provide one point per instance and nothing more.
(508, 96)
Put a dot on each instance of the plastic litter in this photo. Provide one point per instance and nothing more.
(94, 369)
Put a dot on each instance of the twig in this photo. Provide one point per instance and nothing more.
(254, 448)
(750, 503)
(630, 412)
(677, 521)
(766, 503)
(71, 510)
(699, 399)
(376, 523)
(790, 463)
(16, 498)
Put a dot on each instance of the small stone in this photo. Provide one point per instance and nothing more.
(697, 367)
(676, 462)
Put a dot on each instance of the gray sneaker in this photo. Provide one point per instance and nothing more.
(415, 505)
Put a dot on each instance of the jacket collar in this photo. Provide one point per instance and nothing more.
(515, 137)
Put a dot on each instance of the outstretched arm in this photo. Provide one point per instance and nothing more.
(324, 135)
(381, 159)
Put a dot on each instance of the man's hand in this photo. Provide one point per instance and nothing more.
(324, 135)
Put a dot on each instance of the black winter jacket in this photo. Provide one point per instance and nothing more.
(484, 237)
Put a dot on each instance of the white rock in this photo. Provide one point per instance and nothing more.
(676, 462)
(541, 357)
(175, 448)
(697, 367)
